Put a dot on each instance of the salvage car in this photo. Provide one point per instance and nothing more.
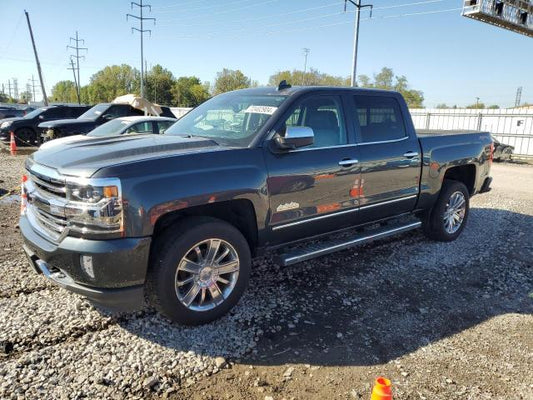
(133, 125)
(98, 115)
(175, 219)
(25, 128)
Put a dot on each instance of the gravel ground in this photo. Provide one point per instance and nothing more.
(443, 321)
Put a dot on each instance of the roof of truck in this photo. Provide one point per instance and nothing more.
(273, 91)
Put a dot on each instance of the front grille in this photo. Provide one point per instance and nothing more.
(51, 222)
(46, 194)
(49, 185)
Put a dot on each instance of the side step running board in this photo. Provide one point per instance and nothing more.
(320, 249)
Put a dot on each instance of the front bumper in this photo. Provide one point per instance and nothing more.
(118, 272)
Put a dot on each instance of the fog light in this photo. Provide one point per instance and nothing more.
(87, 265)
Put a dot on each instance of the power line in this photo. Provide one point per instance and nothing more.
(141, 20)
(77, 57)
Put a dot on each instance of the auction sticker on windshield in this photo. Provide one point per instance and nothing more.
(261, 110)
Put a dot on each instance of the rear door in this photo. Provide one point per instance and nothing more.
(310, 188)
(389, 156)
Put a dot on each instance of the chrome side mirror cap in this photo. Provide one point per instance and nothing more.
(295, 137)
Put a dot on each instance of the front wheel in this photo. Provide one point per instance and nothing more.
(199, 270)
(448, 217)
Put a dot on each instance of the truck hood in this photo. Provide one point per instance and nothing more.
(66, 122)
(82, 155)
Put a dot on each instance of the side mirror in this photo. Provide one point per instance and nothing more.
(107, 117)
(41, 117)
(295, 137)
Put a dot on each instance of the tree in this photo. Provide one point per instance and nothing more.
(111, 82)
(442, 105)
(64, 92)
(229, 79)
(25, 97)
(312, 77)
(158, 85)
(493, 107)
(386, 79)
(476, 106)
(188, 91)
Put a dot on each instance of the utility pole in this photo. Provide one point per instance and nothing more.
(358, 6)
(141, 19)
(477, 102)
(518, 98)
(77, 57)
(9, 87)
(45, 99)
(15, 88)
(75, 81)
(306, 52)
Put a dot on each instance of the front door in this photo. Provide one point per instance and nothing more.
(312, 188)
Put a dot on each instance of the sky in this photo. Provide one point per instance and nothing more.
(452, 59)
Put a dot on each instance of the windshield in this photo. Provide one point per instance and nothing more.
(35, 113)
(95, 112)
(229, 119)
(111, 128)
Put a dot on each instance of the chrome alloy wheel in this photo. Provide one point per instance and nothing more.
(207, 274)
(454, 213)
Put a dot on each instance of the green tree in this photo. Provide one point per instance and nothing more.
(158, 85)
(476, 106)
(229, 79)
(493, 107)
(312, 77)
(442, 105)
(386, 79)
(64, 92)
(188, 91)
(111, 82)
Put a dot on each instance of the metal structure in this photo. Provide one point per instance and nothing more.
(45, 99)
(141, 20)
(77, 57)
(513, 15)
(358, 6)
(76, 82)
(306, 52)
(518, 97)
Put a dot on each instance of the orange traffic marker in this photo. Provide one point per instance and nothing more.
(12, 144)
(382, 389)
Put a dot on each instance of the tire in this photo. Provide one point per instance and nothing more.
(25, 137)
(435, 225)
(168, 267)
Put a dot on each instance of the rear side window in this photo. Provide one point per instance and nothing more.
(379, 118)
(164, 125)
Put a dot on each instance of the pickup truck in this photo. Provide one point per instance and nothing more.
(92, 118)
(174, 220)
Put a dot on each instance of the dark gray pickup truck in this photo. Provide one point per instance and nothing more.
(175, 219)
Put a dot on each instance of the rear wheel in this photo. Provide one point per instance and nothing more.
(199, 270)
(448, 217)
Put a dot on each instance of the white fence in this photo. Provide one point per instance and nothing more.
(510, 126)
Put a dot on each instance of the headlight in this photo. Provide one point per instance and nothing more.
(5, 124)
(94, 206)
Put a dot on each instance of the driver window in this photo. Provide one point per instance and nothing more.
(324, 115)
(142, 127)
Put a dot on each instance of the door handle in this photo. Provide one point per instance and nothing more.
(410, 154)
(347, 162)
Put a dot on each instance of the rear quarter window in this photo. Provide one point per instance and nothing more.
(379, 119)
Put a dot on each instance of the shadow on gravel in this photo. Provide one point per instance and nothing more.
(371, 304)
